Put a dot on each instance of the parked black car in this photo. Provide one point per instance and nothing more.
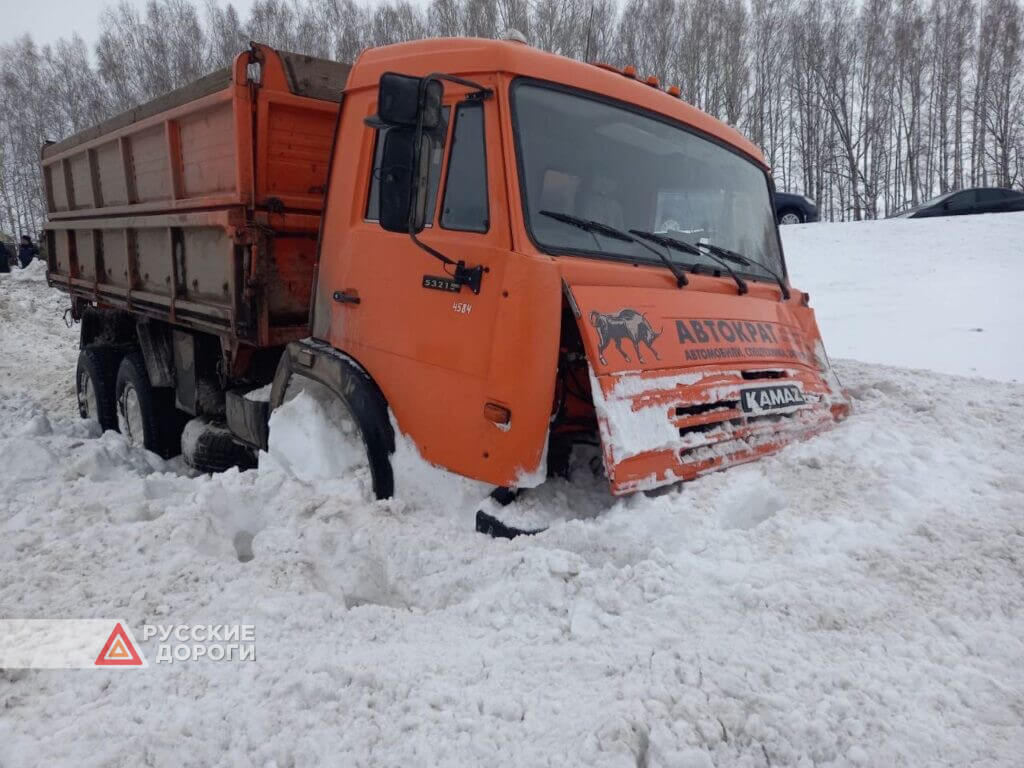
(794, 209)
(967, 201)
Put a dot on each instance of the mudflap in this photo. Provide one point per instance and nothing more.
(247, 419)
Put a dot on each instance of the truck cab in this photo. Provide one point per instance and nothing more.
(590, 258)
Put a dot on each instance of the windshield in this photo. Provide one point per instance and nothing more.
(597, 161)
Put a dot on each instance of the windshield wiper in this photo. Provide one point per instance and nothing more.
(682, 245)
(589, 225)
(739, 258)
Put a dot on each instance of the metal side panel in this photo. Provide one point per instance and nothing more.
(215, 81)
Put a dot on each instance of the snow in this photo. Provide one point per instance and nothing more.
(313, 437)
(260, 394)
(856, 599)
(940, 294)
(632, 431)
(195, 429)
(432, 487)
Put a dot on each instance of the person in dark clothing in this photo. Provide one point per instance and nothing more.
(5, 257)
(27, 251)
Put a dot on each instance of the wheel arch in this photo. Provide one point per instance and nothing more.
(349, 381)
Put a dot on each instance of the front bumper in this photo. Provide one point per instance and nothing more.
(662, 429)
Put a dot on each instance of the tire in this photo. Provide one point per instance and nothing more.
(95, 381)
(146, 415)
(790, 216)
(211, 448)
(358, 395)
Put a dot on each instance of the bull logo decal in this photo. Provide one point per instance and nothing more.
(627, 324)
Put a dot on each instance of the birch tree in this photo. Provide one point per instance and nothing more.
(866, 106)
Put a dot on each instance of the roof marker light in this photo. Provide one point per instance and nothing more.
(653, 81)
(513, 35)
(629, 71)
(674, 90)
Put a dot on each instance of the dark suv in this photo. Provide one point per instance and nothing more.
(967, 201)
(794, 209)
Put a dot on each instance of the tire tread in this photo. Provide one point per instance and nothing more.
(101, 362)
(162, 421)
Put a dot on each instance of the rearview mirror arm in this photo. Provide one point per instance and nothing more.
(480, 91)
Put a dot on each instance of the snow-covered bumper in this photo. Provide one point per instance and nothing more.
(685, 383)
(661, 429)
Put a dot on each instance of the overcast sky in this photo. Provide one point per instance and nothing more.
(47, 20)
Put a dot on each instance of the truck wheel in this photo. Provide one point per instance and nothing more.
(211, 448)
(146, 415)
(95, 379)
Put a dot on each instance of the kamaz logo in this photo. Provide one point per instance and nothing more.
(770, 398)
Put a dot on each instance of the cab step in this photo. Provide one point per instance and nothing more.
(489, 524)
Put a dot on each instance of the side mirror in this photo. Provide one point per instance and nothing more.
(404, 169)
(409, 101)
(409, 116)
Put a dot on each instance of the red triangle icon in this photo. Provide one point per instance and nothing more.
(118, 651)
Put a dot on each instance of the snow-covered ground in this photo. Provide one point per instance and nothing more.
(856, 600)
(941, 294)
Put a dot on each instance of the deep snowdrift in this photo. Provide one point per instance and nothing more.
(855, 600)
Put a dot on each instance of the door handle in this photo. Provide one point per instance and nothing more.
(346, 298)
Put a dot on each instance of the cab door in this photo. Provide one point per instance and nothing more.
(445, 356)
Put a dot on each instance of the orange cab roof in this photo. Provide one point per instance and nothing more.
(468, 55)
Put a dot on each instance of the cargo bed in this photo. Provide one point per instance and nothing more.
(202, 208)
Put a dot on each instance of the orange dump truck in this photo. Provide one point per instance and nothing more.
(499, 252)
